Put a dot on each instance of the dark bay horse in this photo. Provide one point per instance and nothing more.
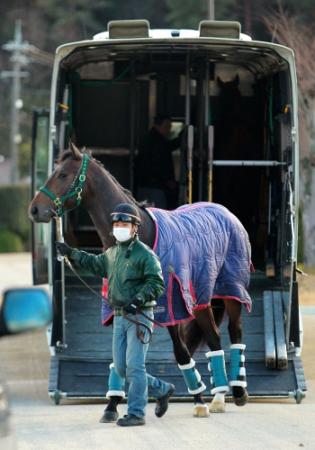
(99, 192)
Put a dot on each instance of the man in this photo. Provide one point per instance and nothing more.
(155, 169)
(135, 281)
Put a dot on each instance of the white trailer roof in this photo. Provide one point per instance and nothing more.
(167, 34)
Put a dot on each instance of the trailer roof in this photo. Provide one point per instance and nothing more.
(171, 43)
(167, 34)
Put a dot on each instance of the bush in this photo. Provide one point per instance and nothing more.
(10, 242)
(14, 201)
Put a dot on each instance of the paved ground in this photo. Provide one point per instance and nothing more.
(40, 425)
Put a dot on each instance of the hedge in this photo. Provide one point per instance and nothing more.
(10, 242)
(14, 201)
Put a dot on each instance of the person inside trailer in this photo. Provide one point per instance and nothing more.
(155, 175)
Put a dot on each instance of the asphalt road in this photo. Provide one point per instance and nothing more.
(40, 425)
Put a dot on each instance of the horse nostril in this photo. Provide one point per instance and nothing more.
(34, 210)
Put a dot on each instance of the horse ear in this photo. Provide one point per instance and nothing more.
(75, 151)
(236, 80)
(85, 150)
(220, 82)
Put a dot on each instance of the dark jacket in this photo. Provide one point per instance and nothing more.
(154, 163)
(139, 275)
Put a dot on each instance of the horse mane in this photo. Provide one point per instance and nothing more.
(66, 154)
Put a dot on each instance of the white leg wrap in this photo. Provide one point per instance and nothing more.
(242, 384)
(215, 353)
(190, 365)
(198, 390)
(239, 382)
(115, 393)
(192, 377)
(242, 370)
(238, 346)
(219, 390)
(222, 382)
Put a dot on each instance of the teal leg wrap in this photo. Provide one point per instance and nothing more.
(192, 378)
(116, 384)
(237, 375)
(218, 378)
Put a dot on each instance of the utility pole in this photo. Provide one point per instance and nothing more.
(18, 59)
(23, 53)
(248, 16)
(211, 10)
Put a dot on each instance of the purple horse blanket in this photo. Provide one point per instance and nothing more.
(205, 253)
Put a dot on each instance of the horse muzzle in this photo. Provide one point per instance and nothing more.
(38, 213)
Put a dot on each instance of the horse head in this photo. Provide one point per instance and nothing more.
(63, 190)
(229, 97)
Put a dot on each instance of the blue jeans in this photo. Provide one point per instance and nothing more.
(129, 356)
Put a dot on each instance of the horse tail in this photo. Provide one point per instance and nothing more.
(193, 334)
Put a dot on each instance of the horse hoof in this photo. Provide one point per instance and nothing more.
(201, 410)
(241, 401)
(217, 406)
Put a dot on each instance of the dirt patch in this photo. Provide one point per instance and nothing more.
(307, 287)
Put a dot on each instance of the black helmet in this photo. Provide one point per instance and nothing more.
(125, 212)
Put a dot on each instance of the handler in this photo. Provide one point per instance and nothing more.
(135, 281)
(155, 151)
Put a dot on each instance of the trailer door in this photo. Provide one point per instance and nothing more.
(40, 231)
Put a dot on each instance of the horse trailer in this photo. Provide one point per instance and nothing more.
(233, 102)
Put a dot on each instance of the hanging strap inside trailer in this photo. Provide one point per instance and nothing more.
(210, 160)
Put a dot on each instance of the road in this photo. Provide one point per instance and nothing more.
(40, 425)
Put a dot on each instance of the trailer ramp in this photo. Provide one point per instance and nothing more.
(80, 369)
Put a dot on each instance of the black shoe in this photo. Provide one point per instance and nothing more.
(130, 421)
(109, 416)
(162, 402)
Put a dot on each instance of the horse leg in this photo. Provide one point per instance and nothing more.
(219, 383)
(115, 393)
(237, 375)
(191, 375)
(193, 337)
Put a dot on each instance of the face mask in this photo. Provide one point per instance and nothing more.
(122, 234)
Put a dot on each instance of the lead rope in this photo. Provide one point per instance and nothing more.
(138, 323)
(64, 258)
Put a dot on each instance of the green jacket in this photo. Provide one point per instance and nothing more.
(139, 275)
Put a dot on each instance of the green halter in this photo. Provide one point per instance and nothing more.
(75, 189)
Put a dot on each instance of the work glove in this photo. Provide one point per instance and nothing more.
(133, 306)
(63, 249)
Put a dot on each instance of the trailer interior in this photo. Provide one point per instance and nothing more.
(243, 94)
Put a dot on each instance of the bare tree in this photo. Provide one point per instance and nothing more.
(289, 31)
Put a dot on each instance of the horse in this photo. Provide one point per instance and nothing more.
(237, 136)
(99, 192)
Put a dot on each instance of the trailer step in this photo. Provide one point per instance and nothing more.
(87, 378)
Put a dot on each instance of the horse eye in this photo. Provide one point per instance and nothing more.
(62, 175)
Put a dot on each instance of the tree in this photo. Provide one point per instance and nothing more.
(291, 31)
(188, 13)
